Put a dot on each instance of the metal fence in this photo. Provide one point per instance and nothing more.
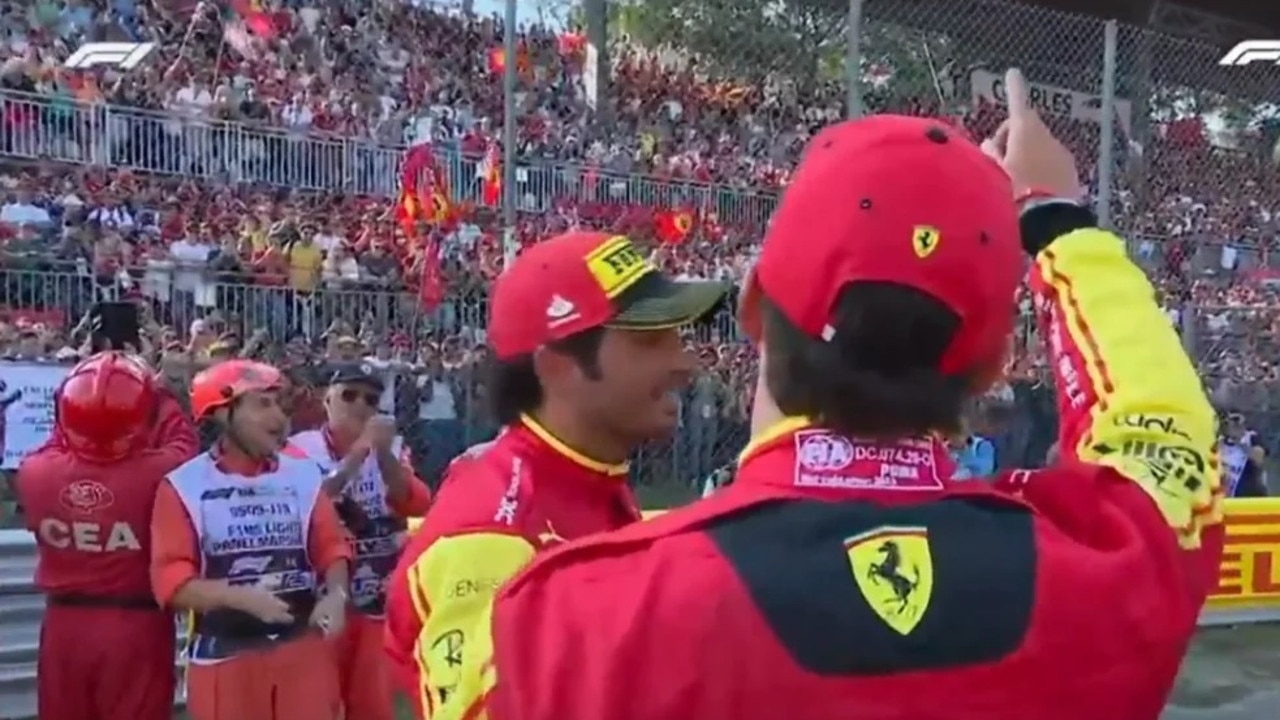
(1235, 344)
(176, 295)
(388, 323)
(1179, 153)
(20, 611)
(41, 128)
(1150, 115)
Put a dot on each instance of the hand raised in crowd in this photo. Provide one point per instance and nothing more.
(128, 349)
(263, 605)
(1023, 145)
(380, 431)
(360, 449)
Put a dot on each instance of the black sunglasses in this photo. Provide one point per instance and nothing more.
(370, 399)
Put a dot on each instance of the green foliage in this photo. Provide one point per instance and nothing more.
(801, 41)
(745, 39)
(907, 53)
(902, 62)
(1227, 117)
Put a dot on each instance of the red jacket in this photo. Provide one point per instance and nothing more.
(500, 503)
(93, 522)
(839, 578)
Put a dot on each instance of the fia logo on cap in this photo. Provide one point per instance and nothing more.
(924, 240)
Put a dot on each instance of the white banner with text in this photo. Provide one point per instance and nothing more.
(1050, 101)
(26, 406)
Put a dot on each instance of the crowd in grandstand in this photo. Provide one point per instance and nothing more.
(162, 185)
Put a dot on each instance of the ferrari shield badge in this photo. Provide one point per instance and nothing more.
(924, 240)
(894, 571)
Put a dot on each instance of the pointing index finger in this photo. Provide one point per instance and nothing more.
(1015, 88)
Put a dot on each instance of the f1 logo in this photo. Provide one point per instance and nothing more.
(125, 56)
(1251, 51)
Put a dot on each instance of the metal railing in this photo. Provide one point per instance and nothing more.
(21, 612)
(177, 296)
(21, 609)
(1220, 331)
(39, 128)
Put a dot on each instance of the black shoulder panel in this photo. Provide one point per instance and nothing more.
(854, 588)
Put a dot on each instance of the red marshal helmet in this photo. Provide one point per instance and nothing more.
(222, 384)
(105, 407)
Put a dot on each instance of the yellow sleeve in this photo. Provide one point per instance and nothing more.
(478, 675)
(452, 585)
(1129, 396)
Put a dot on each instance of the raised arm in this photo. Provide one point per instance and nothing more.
(1128, 396)
(173, 440)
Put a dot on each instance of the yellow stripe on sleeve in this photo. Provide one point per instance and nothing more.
(1150, 418)
(418, 594)
(455, 580)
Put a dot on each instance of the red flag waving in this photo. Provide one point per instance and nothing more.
(673, 226)
(407, 212)
(498, 60)
(571, 43)
(417, 172)
(491, 175)
(431, 280)
(418, 165)
(255, 18)
(438, 207)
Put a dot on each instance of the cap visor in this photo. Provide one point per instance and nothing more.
(658, 302)
(369, 381)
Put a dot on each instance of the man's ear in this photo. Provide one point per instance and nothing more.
(552, 367)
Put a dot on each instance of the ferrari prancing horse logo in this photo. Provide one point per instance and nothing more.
(894, 572)
(924, 240)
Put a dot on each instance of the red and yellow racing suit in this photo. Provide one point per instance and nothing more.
(840, 577)
(499, 504)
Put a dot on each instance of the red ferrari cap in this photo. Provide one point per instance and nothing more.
(895, 199)
(582, 280)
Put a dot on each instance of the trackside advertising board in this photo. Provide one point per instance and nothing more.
(1249, 579)
(26, 407)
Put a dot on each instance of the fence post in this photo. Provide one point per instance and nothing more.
(509, 49)
(853, 61)
(1108, 130)
(1187, 323)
